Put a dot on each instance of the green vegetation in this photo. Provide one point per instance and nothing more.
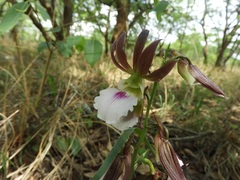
(49, 78)
(62, 137)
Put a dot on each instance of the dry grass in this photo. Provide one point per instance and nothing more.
(61, 138)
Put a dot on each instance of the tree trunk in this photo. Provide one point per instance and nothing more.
(121, 24)
(219, 61)
(229, 32)
(67, 16)
(50, 7)
(205, 48)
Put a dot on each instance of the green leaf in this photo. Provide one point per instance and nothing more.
(52, 83)
(63, 49)
(12, 16)
(92, 51)
(155, 2)
(159, 16)
(161, 6)
(81, 44)
(43, 12)
(160, 9)
(138, 131)
(56, 29)
(75, 41)
(43, 45)
(76, 146)
(5, 162)
(62, 143)
(113, 153)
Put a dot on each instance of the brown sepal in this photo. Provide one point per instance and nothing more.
(205, 81)
(138, 48)
(160, 73)
(146, 58)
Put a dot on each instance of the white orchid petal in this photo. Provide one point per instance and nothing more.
(113, 104)
(101, 103)
(126, 121)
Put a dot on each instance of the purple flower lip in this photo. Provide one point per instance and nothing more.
(115, 107)
(120, 95)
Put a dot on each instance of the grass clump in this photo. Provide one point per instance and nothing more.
(53, 132)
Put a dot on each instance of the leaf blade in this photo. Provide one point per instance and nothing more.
(113, 153)
(12, 16)
(92, 51)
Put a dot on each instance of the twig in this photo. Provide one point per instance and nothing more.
(29, 12)
(8, 118)
(44, 77)
(193, 137)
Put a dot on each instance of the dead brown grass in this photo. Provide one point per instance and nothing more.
(61, 138)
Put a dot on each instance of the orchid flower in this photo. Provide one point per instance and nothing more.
(121, 107)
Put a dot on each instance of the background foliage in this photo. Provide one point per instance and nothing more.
(54, 59)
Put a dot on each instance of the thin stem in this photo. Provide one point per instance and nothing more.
(149, 146)
(44, 77)
(155, 85)
(143, 134)
(149, 163)
(25, 109)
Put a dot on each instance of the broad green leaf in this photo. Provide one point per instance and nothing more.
(64, 49)
(155, 2)
(75, 40)
(92, 51)
(113, 153)
(161, 6)
(43, 45)
(81, 44)
(159, 16)
(43, 12)
(12, 16)
(160, 9)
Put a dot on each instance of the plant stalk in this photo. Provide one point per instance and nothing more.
(143, 134)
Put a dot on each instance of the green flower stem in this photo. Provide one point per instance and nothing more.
(149, 146)
(155, 85)
(143, 134)
(149, 163)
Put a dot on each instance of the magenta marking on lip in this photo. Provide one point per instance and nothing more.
(120, 95)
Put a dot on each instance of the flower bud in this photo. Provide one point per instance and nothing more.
(192, 74)
(167, 156)
(205, 81)
(182, 67)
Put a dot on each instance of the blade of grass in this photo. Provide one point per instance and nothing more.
(113, 153)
